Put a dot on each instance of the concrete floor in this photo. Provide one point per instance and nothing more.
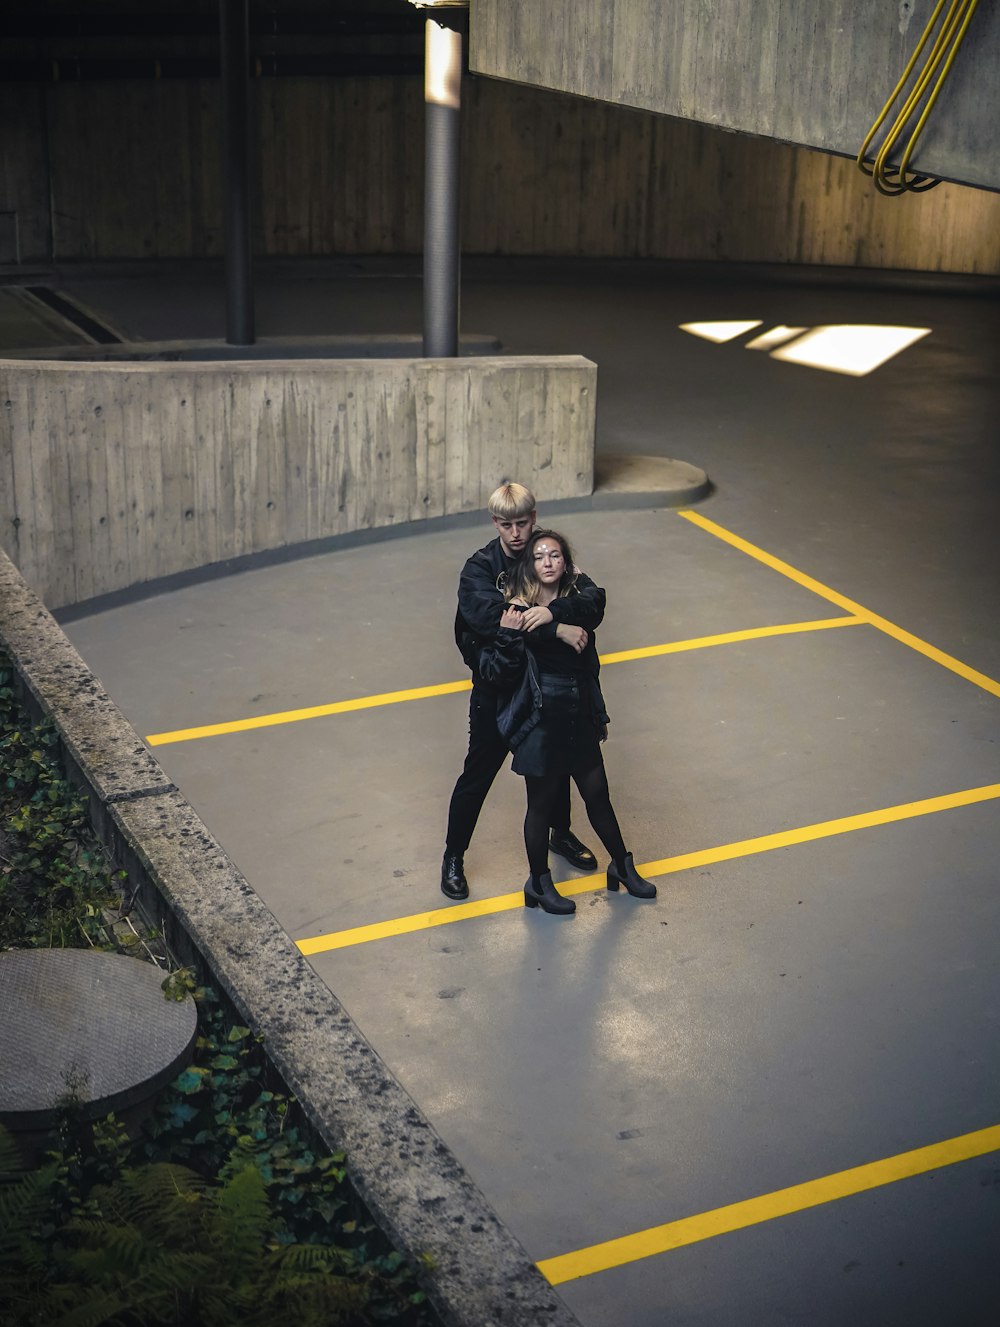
(781, 1013)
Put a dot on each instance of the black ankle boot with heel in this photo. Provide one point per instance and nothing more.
(540, 892)
(628, 876)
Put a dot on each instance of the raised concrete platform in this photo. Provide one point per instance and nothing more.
(91, 1027)
(624, 479)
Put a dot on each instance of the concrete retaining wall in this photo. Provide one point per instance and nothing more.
(112, 475)
(341, 159)
(475, 1272)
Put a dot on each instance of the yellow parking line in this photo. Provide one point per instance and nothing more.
(797, 1198)
(849, 606)
(856, 615)
(313, 712)
(450, 688)
(730, 638)
(422, 921)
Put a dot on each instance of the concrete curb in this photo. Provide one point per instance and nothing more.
(475, 1273)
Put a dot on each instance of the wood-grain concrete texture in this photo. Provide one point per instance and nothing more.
(789, 69)
(341, 172)
(112, 475)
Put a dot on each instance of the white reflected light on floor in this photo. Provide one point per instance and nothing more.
(775, 337)
(720, 332)
(855, 348)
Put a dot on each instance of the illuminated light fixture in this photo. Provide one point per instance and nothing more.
(443, 66)
(854, 348)
(775, 337)
(720, 332)
(443, 55)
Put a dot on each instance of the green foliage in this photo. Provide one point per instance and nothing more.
(221, 1212)
(159, 1244)
(85, 1153)
(252, 1229)
(24, 1208)
(221, 1115)
(180, 984)
(54, 878)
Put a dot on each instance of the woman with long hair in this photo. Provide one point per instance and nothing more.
(553, 717)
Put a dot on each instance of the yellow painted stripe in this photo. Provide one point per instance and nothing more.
(419, 921)
(797, 1198)
(730, 638)
(450, 688)
(422, 921)
(841, 600)
(825, 829)
(313, 712)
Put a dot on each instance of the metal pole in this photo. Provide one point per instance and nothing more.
(235, 53)
(442, 101)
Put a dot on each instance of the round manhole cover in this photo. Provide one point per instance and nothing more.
(90, 1026)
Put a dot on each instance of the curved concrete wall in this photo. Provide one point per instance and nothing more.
(112, 475)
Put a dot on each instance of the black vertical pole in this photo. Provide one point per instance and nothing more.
(235, 51)
(442, 101)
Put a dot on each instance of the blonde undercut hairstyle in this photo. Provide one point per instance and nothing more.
(510, 501)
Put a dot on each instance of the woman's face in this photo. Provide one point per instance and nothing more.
(549, 561)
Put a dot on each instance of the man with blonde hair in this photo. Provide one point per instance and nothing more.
(480, 604)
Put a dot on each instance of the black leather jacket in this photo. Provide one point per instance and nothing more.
(510, 665)
(481, 602)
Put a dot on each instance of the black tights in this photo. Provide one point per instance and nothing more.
(592, 782)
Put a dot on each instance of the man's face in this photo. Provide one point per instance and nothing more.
(514, 533)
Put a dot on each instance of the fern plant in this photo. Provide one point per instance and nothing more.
(161, 1245)
(25, 1203)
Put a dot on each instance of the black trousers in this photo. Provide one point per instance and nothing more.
(487, 752)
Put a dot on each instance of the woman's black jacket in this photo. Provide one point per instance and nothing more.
(510, 665)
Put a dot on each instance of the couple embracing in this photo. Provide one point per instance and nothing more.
(525, 625)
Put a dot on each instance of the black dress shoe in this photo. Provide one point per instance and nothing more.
(569, 847)
(453, 882)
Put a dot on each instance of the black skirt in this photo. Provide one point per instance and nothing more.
(567, 736)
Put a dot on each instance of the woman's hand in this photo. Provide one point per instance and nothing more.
(510, 617)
